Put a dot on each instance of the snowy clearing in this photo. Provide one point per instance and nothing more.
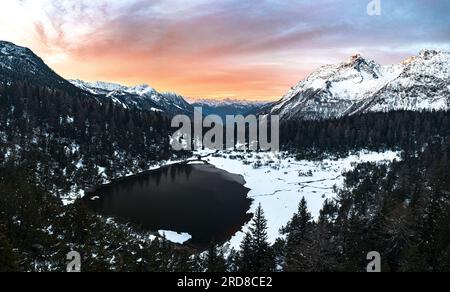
(278, 182)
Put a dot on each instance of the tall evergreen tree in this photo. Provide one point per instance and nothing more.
(257, 254)
(8, 258)
(214, 260)
(298, 239)
(246, 255)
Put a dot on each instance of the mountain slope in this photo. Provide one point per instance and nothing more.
(361, 85)
(19, 63)
(141, 97)
(423, 84)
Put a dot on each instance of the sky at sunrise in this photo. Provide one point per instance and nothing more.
(246, 49)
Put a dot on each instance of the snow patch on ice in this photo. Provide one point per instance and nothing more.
(175, 237)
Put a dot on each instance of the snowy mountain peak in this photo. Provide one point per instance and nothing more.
(142, 89)
(107, 85)
(7, 48)
(428, 54)
(361, 85)
(355, 57)
(424, 55)
(357, 60)
(141, 96)
(100, 87)
(361, 64)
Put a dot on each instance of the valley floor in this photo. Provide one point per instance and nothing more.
(278, 182)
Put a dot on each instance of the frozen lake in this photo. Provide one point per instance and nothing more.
(196, 203)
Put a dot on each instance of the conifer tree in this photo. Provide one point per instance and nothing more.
(256, 253)
(298, 238)
(245, 256)
(8, 258)
(214, 260)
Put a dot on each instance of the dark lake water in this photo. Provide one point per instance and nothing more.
(208, 203)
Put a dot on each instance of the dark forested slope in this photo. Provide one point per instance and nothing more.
(72, 140)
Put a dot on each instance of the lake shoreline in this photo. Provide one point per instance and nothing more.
(214, 199)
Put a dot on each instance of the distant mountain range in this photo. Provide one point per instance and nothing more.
(361, 85)
(357, 86)
(145, 97)
(226, 107)
(18, 63)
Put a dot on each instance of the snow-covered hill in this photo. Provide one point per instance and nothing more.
(142, 97)
(361, 85)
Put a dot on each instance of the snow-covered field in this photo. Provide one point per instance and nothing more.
(278, 182)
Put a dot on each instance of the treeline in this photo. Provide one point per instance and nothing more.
(76, 140)
(404, 130)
